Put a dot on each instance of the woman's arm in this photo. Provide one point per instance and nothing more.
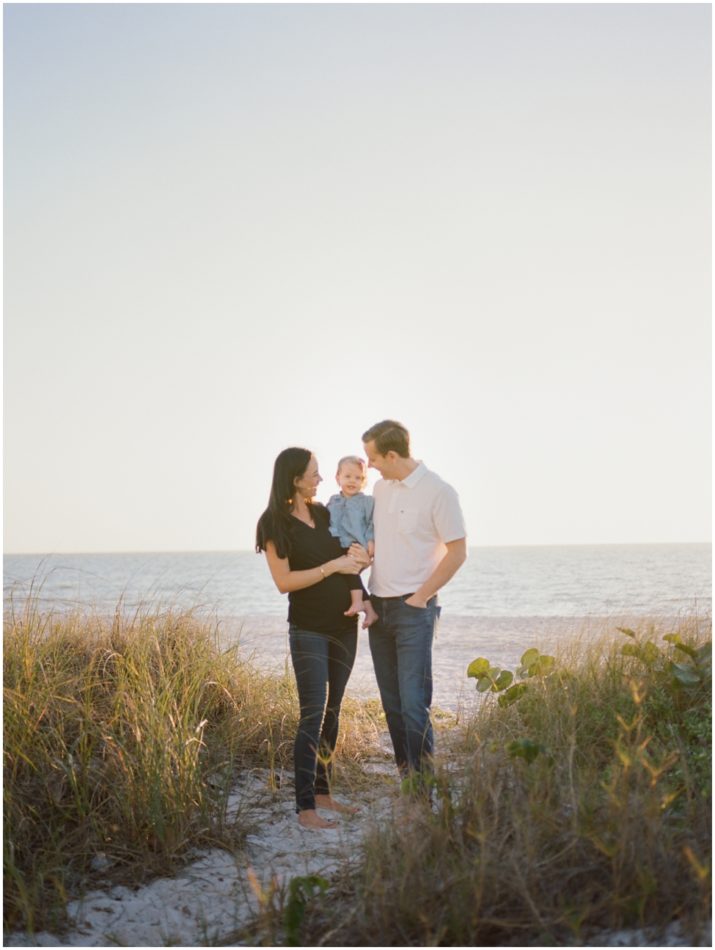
(287, 580)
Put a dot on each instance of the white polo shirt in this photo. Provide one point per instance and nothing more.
(414, 519)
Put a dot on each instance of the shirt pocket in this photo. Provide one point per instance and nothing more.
(407, 520)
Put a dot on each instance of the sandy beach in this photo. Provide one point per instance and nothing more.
(214, 898)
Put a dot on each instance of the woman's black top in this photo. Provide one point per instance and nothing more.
(321, 606)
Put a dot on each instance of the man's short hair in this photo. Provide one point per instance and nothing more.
(389, 436)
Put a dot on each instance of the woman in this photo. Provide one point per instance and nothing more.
(307, 563)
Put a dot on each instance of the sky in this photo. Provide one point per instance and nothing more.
(233, 228)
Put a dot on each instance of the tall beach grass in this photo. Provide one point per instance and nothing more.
(585, 804)
(123, 738)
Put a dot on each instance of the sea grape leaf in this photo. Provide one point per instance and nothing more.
(478, 667)
(544, 665)
(503, 680)
(685, 674)
(512, 694)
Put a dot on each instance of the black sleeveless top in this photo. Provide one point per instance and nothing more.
(321, 607)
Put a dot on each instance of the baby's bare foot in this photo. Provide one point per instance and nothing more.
(311, 819)
(327, 801)
(370, 615)
(354, 610)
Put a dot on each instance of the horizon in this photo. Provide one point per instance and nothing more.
(470, 547)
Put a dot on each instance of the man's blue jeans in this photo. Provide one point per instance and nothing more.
(401, 647)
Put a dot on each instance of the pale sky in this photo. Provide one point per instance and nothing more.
(233, 228)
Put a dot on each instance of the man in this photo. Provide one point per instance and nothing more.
(420, 543)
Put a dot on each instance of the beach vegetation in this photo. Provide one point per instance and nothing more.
(580, 804)
(583, 805)
(511, 685)
(123, 740)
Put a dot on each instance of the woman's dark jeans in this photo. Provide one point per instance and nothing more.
(322, 663)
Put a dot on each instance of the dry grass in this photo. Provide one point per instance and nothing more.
(124, 737)
(607, 826)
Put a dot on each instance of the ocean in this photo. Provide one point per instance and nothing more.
(502, 601)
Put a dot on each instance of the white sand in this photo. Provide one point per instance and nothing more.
(212, 898)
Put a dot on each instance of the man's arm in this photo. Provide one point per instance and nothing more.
(446, 569)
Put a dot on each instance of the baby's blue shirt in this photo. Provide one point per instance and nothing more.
(351, 519)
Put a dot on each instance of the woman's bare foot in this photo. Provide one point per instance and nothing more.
(309, 818)
(327, 801)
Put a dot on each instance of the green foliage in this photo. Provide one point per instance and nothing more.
(478, 667)
(534, 663)
(677, 704)
(489, 677)
(496, 680)
(647, 652)
(525, 749)
(301, 891)
(417, 784)
(692, 671)
(584, 804)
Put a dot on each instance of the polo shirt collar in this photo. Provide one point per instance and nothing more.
(414, 477)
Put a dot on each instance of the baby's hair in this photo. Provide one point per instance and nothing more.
(351, 459)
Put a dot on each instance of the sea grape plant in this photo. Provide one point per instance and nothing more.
(496, 680)
(687, 672)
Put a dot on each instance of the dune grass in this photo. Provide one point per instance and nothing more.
(584, 804)
(123, 738)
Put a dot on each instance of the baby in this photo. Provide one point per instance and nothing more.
(351, 520)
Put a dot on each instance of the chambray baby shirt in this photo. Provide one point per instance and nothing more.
(351, 519)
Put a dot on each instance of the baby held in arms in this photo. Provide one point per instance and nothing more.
(351, 521)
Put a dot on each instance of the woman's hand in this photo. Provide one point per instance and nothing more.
(346, 564)
(358, 552)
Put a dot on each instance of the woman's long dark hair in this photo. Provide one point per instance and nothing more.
(275, 524)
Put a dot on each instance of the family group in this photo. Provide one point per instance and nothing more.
(411, 534)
